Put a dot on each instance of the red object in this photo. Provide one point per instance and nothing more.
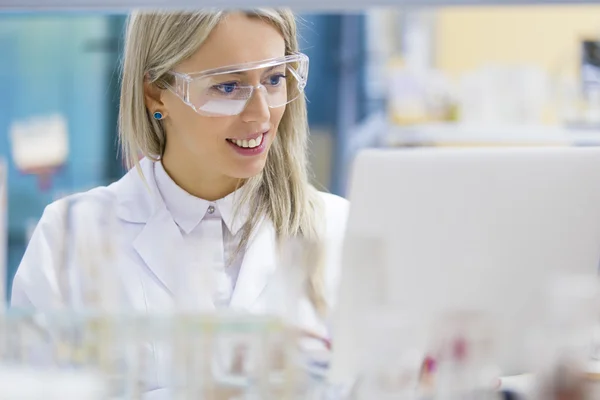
(459, 349)
(429, 365)
(44, 175)
(320, 338)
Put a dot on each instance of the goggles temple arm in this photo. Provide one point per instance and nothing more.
(181, 86)
(300, 79)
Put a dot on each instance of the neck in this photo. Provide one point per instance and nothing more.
(197, 181)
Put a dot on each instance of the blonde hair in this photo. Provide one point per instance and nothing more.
(156, 43)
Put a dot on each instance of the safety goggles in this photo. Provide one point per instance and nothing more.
(226, 91)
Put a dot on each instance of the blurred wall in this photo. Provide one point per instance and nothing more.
(318, 35)
(546, 36)
(57, 64)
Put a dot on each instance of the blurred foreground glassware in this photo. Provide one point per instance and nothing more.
(191, 350)
(77, 342)
(88, 275)
(297, 259)
(40, 146)
(198, 355)
(563, 345)
(93, 330)
(391, 361)
(3, 231)
(464, 348)
(33, 384)
(297, 287)
(225, 356)
(83, 328)
(233, 354)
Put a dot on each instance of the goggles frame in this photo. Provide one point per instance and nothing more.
(183, 81)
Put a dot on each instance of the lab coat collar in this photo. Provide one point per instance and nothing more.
(139, 202)
(132, 206)
(187, 210)
(138, 209)
(235, 218)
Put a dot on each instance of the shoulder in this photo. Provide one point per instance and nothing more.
(54, 210)
(334, 204)
(53, 219)
(335, 211)
(36, 282)
(130, 195)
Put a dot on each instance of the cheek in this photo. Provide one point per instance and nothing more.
(207, 135)
(199, 134)
(276, 116)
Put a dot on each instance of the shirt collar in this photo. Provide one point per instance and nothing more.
(188, 210)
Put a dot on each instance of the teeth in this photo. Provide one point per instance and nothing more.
(252, 143)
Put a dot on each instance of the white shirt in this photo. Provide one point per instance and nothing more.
(208, 228)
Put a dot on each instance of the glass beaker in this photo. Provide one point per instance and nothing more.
(464, 351)
(564, 340)
(391, 357)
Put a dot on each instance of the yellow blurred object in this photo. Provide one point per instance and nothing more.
(546, 37)
(418, 96)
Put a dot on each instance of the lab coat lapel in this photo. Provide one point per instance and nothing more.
(258, 267)
(159, 244)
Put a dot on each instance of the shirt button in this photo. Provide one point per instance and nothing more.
(211, 209)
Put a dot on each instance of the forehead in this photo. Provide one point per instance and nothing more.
(235, 40)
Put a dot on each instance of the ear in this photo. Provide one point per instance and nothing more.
(153, 98)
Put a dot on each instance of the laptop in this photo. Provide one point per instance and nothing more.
(485, 231)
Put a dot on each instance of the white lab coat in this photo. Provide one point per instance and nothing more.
(147, 271)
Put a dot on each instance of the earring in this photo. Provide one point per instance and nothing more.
(158, 115)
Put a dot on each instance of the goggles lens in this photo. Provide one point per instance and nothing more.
(227, 91)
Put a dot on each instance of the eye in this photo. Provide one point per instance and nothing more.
(275, 80)
(227, 88)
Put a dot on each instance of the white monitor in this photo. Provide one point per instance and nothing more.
(434, 230)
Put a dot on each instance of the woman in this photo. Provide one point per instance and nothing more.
(214, 102)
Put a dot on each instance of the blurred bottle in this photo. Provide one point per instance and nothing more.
(419, 96)
(192, 346)
(303, 355)
(590, 80)
(391, 360)
(90, 330)
(88, 276)
(40, 146)
(68, 333)
(25, 383)
(3, 232)
(564, 346)
(297, 258)
(464, 354)
(577, 86)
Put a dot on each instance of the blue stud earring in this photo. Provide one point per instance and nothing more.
(158, 115)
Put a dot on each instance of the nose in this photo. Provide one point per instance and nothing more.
(257, 108)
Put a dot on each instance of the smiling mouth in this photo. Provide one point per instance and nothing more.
(248, 144)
